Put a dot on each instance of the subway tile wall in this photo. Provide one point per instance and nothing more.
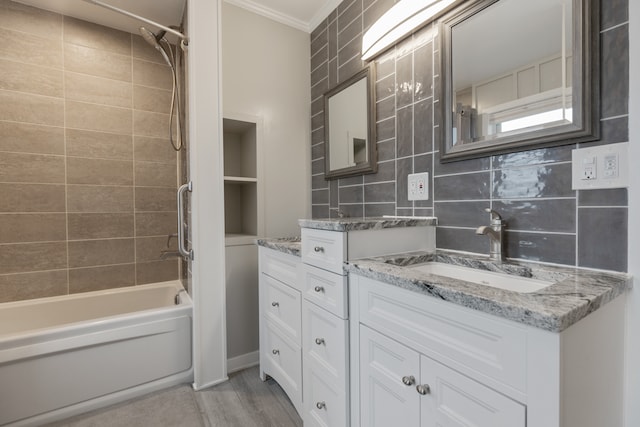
(87, 175)
(547, 220)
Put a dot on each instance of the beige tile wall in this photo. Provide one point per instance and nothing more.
(87, 174)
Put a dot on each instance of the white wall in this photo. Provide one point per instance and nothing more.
(265, 73)
(633, 323)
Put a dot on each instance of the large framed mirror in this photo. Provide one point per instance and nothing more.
(517, 75)
(349, 127)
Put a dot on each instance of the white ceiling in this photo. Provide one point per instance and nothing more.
(304, 15)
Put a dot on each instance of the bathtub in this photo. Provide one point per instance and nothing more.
(61, 356)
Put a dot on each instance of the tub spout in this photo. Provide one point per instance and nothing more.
(169, 254)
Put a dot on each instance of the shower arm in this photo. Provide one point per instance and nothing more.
(185, 39)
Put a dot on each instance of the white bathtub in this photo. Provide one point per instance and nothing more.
(65, 355)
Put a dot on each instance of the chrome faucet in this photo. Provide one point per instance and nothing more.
(495, 231)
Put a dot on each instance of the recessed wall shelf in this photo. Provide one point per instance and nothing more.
(242, 186)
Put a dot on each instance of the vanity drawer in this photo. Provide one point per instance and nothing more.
(282, 360)
(324, 405)
(281, 266)
(326, 289)
(473, 343)
(325, 343)
(281, 306)
(324, 249)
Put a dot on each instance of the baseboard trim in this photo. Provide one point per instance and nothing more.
(243, 361)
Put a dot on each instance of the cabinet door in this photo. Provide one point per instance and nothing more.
(385, 366)
(454, 400)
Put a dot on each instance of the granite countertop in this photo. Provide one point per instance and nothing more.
(353, 224)
(575, 293)
(287, 245)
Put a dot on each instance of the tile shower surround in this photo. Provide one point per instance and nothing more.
(87, 176)
(547, 220)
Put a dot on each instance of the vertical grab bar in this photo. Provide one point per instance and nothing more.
(181, 247)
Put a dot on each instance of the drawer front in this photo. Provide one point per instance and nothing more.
(324, 249)
(283, 362)
(478, 345)
(325, 343)
(282, 305)
(326, 289)
(278, 265)
(324, 405)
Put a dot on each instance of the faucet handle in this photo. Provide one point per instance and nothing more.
(495, 216)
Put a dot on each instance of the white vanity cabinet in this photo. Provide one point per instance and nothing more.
(280, 322)
(419, 361)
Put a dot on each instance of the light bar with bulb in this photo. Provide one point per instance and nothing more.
(398, 22)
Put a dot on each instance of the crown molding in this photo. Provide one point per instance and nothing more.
(285, 19)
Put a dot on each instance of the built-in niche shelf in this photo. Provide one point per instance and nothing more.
(242, 185)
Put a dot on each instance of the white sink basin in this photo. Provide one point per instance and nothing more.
(481, 277)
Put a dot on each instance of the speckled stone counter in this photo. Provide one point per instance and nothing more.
(287, 245)
(353, 224)
(574, 294)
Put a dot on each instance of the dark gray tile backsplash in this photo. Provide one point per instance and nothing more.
(547, 221)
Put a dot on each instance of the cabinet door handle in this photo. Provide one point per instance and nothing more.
(321, 405)
(423, 389)
(319, 341)
(318, 249)
(318, 289)
(275, 351)
(275, 304)
(408, 380)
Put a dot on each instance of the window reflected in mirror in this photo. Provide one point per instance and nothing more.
(517, 74)
(526, 84)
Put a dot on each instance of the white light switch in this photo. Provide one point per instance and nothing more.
(602, 166)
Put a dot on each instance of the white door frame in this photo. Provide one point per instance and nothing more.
(207, 198)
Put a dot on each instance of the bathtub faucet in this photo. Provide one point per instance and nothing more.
(169, 254)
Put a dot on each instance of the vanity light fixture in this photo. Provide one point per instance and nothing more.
(404, 17)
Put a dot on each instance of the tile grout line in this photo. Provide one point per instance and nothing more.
(133, 172)
(64, 133)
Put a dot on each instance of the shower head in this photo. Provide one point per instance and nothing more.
(151, 38)
(154, 40)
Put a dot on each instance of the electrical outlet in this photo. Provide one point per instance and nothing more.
(601, 166)
(418, 186)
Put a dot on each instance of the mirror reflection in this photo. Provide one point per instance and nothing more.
(516, 74)
(525, 84)
(349, 134)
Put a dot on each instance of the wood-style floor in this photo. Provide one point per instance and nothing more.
(243, 401)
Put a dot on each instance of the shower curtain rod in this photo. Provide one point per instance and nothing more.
(140, 18)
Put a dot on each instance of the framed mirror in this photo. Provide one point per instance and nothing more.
(518, 75)
(349, 127)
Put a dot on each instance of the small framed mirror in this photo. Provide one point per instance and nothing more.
(349, 127)
(518, 75)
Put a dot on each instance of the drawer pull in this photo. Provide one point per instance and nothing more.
(321, 405)
(318, 249)
(423, 389)
(274, 351)
(319, 341)
(318, 289)
(275, 304)
(409, 380)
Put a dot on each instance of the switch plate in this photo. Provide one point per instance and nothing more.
(602, 166)
(418, 186)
